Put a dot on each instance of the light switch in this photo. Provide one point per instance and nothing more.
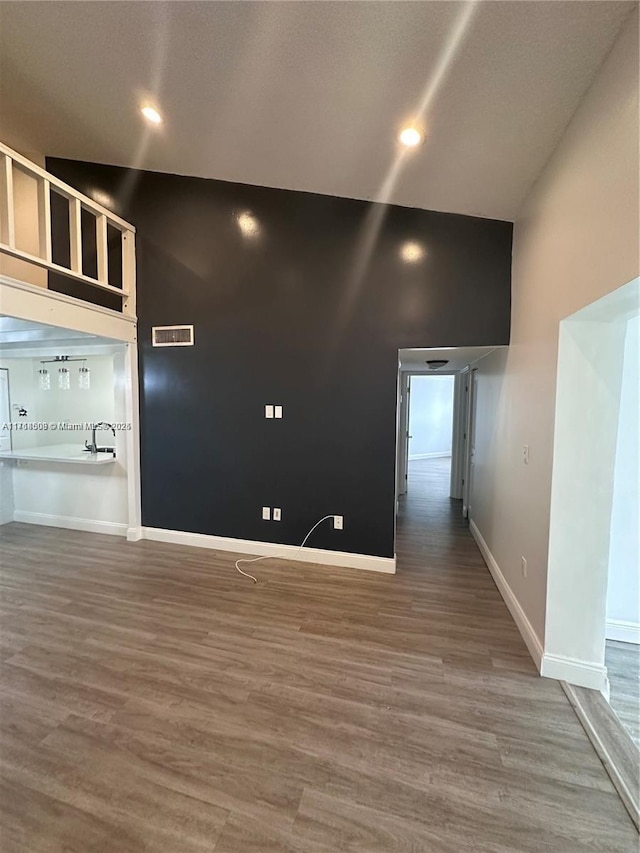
(268, 411)
(277, 513)
(266, 513)
(278, 411)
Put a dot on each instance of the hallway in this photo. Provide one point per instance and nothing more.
(430, 523)
(154, 700)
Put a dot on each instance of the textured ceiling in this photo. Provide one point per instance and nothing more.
(308, 95)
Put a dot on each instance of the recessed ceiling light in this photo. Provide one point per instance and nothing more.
(412, 252)
(248, 224)
(410, 137)
(151, 114)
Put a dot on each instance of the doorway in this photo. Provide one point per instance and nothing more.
(435, 416)
(592, 615)
(594, 490)
(434, 446)
(622, 627)
(64, 382)
(430, 433)
(431, 528)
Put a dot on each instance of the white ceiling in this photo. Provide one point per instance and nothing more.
(414, 360)
(308, 95)
(16, 334)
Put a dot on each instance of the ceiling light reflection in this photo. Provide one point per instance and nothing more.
(248, 224)
(103, 198)
(412, 252)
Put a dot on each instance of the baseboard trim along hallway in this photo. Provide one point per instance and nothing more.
(579, 672)
(319, 556)
(624, 632)
(525, 627)
(440, 454)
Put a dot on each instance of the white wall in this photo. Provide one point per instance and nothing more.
(76, 496)
(623, 591)
(6, 478)
(21, 393)
(76, 405)
(72, 406)
(430, 416)
(575, 240)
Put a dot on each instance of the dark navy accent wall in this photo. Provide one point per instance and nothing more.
(280, 317)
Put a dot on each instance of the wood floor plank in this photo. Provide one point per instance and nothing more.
(623, 669)
(154, 700)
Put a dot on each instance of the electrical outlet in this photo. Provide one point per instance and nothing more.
(523, 566)
(337, 522)
(266, 513)
(525, 454)
(277, 513)
(268, 411)
(278, 411)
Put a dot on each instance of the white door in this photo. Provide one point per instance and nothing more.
(5, 410)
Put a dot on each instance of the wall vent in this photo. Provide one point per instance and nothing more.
(172, 336)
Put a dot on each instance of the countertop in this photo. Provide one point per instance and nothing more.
(72, 453)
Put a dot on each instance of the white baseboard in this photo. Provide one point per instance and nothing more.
(90, 526)
(272, 549)
(529, 636)
(580, 673)
(624, 632)
(134, 534)
(438, 455)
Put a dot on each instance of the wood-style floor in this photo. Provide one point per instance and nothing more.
(154, 700)
(623, 668)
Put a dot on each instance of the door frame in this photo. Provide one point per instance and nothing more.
(402, 433)
(403, 412)
(458, 434)
(470, 418)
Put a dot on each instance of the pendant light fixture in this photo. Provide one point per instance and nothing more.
(64, 376)
(84, 378)
(64, 380)
(44, 379)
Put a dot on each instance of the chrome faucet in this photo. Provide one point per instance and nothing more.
(93, 447)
